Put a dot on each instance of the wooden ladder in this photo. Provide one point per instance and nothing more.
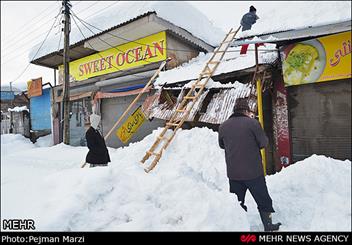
(188, 101)
(151, 80)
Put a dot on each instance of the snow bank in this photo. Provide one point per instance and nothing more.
(188, 189)
(232, 61)
(181, 14)
(45, 141)
(14, 144)
(298, 15)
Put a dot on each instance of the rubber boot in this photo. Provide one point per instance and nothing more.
(267, 222)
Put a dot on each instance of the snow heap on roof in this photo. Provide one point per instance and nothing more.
(298, 15)
(232, 61)
(181, 14)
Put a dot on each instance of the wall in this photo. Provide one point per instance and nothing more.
(40, 111)
(179, 51)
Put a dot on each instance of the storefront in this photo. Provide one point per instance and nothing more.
(317, 76)
(107, 81)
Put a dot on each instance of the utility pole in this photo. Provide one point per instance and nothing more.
(11, 113)
(66, 85)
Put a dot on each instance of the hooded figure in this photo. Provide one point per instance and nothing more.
(242, 137)
(249, 19)
(98, 154)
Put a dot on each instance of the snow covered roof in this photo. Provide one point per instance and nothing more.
(299, 15)
(282, 37)
(181, 14)
(231, 62)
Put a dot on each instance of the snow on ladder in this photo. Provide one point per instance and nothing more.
(188, 102)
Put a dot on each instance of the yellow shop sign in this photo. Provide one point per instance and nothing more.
(131, 125)
(317, 60)
(129, 55)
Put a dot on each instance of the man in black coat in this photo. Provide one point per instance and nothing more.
(98, 154)
(249, 19)
(242, 137)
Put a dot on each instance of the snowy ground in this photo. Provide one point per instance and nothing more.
(188, 190)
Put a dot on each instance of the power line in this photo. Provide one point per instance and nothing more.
(103, 9)
(23, 40)
(83, 10)
(105, 41)
(16, 49)
(144, 44)
(73, 17)
(30, 22)
(20, 38)
(133, 41)
(41, 45)
(19, 48)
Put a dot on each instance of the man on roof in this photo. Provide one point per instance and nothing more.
(249, 19)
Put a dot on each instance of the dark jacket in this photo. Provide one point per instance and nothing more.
(242, 138)
(98, 153)
(248, 20)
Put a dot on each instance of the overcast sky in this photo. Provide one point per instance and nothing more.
(26, 23)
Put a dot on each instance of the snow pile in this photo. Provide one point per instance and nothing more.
(14, 142)
(232, 61)
(298, 15)
(181, 14)
(188, 189)
(314, 195)
(45, 141)
(18, 109)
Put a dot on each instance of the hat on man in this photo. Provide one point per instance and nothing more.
(252, 9)
(241, 105)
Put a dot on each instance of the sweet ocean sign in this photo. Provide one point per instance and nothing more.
(140, 52)
(317, 60)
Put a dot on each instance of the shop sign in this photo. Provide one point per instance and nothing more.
(126, 56)
(317, 60)
(34, 87)
(131, 125)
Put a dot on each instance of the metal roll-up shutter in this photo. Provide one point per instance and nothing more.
(320, 119)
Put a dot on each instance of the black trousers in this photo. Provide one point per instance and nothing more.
(257, 187)
(98, 165)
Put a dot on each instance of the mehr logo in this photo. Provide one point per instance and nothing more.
(248, 238)
(18, 224)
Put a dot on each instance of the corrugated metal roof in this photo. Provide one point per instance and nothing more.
(221, 105)
(218, 108)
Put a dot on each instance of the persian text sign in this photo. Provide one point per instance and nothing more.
(34, 87)
(131, 125)
(129, 55)
(318, 60)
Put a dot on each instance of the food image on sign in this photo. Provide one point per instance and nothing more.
(303, 62)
